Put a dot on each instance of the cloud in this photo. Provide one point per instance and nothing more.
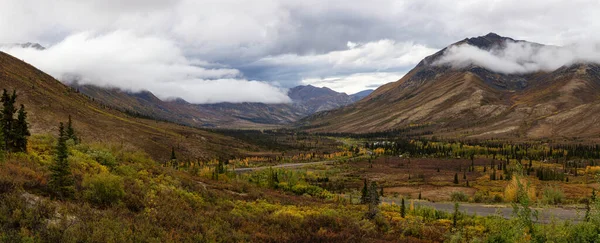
(130, 62)
(520, 57)
(354, 83)
(242, 35)
(349, 70)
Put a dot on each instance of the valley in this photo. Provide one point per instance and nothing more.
(445, 154)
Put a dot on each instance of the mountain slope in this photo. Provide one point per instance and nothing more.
(48, 102)
(474, 102)
(306, 100)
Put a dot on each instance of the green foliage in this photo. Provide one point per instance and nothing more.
(552, 196)
(103, 157)
(459, 197)
(103, 189)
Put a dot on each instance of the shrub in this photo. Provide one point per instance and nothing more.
(104, 158)
(511, 191)
(459, 197)
(592, 170)
(552, 195)
(103, 189)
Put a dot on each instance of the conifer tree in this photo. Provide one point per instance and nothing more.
(402, 209)
(173, 157)
(70, 132)
(61, 180)
(8, 112)
(21, 130)
(364, 198)
(373, 201)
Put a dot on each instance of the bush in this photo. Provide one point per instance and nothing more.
(511, 191)
(459, 197)
(103, 189)
(104, 158)
(553, 196)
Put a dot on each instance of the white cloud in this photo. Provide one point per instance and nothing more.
(379, 55)
(130, 62)
(356, 82)
(520, 57)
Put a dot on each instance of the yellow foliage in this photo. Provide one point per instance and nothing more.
(512, 189)
(379, 151)
(592, 170)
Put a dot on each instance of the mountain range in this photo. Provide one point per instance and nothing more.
(306, 100)
(472, 101)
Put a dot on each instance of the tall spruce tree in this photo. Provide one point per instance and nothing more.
(61, 180)
(21, 130)
(8, 113)
(70, 131)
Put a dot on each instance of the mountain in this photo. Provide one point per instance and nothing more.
(474, 102)
(36, 46)
(306, 100)
(49, 102)
(362, 94)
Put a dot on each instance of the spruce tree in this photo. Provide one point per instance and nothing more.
(8, 112)
(173, 157)
(402, 209)
(21, 130)
(70, 132)
(364, 198)
(61, 180)
(373, 201)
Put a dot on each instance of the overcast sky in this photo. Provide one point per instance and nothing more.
(213, 51)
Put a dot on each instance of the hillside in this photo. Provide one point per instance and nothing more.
(306, 100)
(474, 102)
(49, 102)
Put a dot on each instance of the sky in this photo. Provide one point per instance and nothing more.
(253, 51)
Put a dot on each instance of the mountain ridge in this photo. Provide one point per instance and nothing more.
(306, 100)
(475, 102)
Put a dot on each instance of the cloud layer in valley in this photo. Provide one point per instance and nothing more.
(209, 50)
(521, 57)
(123, 60)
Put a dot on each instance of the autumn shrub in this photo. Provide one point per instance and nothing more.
(552, 196)
(103, 157)
(512, 190)
(103, 189)
(459, 197)
(593, 170)
(14, 175)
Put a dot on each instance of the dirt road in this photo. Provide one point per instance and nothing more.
(288, 166)
(545, 215)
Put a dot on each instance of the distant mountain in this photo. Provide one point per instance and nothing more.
(25, 45)
(472, 101)
(362, 94)
(306, 100)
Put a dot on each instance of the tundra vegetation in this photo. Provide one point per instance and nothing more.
(60, 188)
